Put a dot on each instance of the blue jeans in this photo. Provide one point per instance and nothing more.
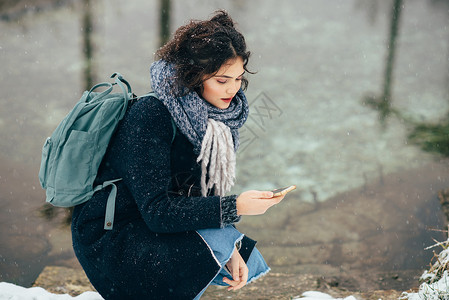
(222, 242)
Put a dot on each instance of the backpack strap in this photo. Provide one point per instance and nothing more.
(110, 204)
(102, 94)
(119, 80)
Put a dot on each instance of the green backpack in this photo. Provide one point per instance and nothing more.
(72, 155)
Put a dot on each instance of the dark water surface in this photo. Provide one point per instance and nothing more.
(319, 66)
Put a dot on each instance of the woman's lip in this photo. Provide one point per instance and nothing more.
(226, 99)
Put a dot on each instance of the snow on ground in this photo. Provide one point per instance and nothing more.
(434, 291)
(313, 295)
(9, 291)
(435, 285)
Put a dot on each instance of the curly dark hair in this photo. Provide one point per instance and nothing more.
(200, 48)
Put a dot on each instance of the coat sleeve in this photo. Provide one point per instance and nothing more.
(142, 158)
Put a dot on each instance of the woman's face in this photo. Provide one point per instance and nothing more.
(222, 87)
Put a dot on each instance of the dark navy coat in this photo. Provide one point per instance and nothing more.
(153, 250)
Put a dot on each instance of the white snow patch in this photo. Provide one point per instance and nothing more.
(314, 295)
(9, 291)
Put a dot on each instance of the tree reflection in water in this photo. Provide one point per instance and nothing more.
(431, 137)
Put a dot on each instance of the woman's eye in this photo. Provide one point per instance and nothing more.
(221, 81)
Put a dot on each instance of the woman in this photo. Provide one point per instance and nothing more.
(173, 232)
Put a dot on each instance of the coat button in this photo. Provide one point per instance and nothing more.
(108, 224)
(181, 192)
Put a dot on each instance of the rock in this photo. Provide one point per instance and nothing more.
(63, 280)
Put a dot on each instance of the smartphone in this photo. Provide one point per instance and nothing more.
(283, 191)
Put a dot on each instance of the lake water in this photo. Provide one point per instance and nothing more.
(316, 61)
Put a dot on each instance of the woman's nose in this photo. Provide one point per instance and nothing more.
(233, 88)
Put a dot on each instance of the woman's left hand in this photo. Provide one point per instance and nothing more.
(239, 271)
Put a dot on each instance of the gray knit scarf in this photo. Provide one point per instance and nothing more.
(212, 131)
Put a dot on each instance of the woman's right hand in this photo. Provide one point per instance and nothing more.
(256, 202)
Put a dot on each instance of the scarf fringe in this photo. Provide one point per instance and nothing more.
(217, 153)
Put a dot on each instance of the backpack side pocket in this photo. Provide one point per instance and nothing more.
(74, 170)
(44, 170)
